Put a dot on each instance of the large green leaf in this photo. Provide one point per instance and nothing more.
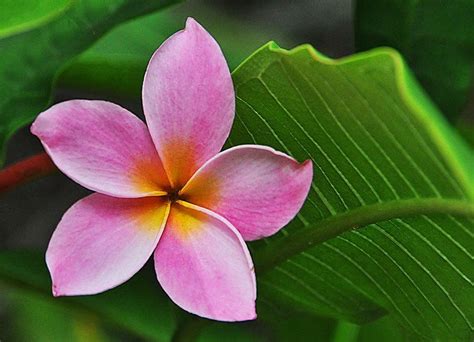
(30, 60)
(393, 186)
(436, 37)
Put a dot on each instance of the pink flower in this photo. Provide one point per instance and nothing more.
(166, 189)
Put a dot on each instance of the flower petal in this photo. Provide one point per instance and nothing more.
(103, 241)
(256, 188)
(203, 264)
(188, 99)
(103, 147)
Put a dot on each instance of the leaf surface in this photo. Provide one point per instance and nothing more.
(388, 226)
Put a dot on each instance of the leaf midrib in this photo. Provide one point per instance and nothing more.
(273, 254)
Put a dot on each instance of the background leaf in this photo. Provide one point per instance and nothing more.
(23, 15)
(435, 36)
(414, 258)
(35, 319)
(117, 68)
(30, 60)
(38, 319)
(139, 306)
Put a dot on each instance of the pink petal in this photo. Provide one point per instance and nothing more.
(258, 189)
(188, 99)
(103, 147)
(103, 241)
(204, 265)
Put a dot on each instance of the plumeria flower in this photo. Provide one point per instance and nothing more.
(166, 189)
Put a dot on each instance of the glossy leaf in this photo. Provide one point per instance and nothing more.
(31, 60)
(435, 36)
(398, 211)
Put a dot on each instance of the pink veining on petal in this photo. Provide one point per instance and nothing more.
(258, 189)
(203, 264)
(188, 100)
(102, 241)
(103, 147)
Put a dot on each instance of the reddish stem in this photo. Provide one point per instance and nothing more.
(25, 170)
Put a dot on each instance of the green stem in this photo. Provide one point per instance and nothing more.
(268, 257)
